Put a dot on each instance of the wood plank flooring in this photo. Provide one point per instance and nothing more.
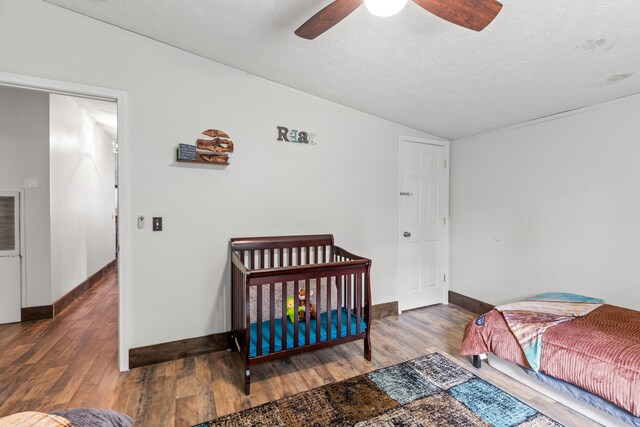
(71, 361)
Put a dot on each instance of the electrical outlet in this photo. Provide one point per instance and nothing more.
(157, 223)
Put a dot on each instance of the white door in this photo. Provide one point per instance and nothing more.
(423, 230)
(9, 257)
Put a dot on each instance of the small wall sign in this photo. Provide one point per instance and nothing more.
(186, 152)
(295, 136)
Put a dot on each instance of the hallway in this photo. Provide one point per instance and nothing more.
(69, 361)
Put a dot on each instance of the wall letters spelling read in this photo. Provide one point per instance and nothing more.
(294, 135)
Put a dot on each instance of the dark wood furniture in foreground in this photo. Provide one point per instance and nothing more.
(269, 267)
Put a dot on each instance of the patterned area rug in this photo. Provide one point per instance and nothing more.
(427, 391)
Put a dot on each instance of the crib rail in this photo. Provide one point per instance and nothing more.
(283, 251)
(276, 268)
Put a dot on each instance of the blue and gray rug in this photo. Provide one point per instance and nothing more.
(428, 391)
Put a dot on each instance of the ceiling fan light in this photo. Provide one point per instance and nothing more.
(384, 8)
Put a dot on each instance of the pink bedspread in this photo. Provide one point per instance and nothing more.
(599, 352)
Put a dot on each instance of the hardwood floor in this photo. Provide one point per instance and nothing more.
(71, 361)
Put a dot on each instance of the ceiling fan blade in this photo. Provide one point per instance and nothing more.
(327, 18)
(471, 14)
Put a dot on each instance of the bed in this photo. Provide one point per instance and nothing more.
(275, 278)
(598, 352)
(79, 417)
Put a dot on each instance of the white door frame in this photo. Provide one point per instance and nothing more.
(119, 96)
(446, 145)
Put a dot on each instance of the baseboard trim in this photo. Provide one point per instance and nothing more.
(379, 311)
(42, 312)
(468, 303)
(75, 293)
(174, 350)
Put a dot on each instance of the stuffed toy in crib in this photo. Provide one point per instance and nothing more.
(301, 308)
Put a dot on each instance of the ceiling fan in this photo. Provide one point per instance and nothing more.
(472, 14)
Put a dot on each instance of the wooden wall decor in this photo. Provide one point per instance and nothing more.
(214, 151)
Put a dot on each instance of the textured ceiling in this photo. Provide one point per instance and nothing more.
(536, 59)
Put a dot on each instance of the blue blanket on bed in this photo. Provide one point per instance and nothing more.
(302, 327)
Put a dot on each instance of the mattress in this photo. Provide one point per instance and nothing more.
(333, 333)
(586, 397)
(599, 352)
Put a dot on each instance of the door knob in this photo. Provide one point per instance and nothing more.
(406, 234)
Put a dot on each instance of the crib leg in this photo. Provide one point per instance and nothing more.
(367, 348)
(247, 382)
(477, 362)
(231, 341)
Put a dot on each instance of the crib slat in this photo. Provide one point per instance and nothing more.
(236, 300)
(329, 308)
(348, 291)
(233, 296)
(358, 301)
(306, 255)
(246, 316)
(362, 292)
(236, 289)
(284, 315)
(339, 306)
(271, 259)
(318, 312)
(272, 316)
(296, 304)
(259, 321)
(263, 259)
(307, 312)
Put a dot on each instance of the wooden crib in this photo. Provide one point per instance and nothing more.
(266, 271)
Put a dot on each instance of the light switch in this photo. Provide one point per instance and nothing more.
(157, 223)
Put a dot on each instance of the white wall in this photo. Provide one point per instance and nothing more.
(563, 198)
(24, 154)
(82, 203)
(346, 184)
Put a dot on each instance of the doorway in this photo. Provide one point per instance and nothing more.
(120, 98)
(423, 238)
